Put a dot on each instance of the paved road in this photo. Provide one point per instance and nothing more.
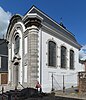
(45, 98)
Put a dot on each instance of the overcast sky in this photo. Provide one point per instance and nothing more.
(73, 13)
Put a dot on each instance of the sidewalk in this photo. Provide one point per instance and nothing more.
(76, 95)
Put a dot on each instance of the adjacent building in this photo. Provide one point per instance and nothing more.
(38, 48)
(3, 62)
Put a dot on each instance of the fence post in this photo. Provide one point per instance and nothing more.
(9, 96)
(2, 93)
(63, 85)
(52, 82)
(15, 92)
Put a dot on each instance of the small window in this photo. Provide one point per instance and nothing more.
(71, 59)
(0, 62)
(25, 45)
(9, 75)
(25, 73)
(17, 43)
(9, 54)
(63, 57)
(52, 54)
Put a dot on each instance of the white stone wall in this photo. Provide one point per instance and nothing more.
(70, 76)
(11, 54)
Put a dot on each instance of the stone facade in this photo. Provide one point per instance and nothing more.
(33, 55)
(30, 59)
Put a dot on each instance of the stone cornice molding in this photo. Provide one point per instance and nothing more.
(32, 15)
(60, 36)
(32, 19)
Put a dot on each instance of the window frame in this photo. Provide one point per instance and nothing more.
(72, 68)
(25, 45)
(55, 58)
(63, 59)
(16, 44)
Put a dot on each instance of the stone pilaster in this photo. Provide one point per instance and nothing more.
(33, 55)
(32, 23)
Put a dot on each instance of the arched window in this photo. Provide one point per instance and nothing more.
(71, 59)
(63, 57)
(16, 45)
(52, 54)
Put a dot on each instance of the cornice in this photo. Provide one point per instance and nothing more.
(32, 15)
(32, 19)
(58, 35)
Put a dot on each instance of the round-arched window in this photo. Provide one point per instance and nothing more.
(17, 43)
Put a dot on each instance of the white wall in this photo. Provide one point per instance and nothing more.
(69, 75)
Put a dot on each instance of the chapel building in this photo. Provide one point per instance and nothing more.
(38, 48)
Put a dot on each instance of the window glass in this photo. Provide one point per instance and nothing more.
(17, 43)
(52, 53)
(25, 45)
(63, 57)
(71, 59)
